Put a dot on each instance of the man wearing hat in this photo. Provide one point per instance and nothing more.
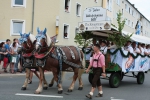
(103, 47)
(98, 64)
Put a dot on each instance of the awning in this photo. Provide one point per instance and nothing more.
(138, 38)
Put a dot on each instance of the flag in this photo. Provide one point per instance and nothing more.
(138, 29)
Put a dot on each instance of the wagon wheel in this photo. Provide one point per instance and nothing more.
(114, 80)
(90, 77)
(122, 75)
(140, 78)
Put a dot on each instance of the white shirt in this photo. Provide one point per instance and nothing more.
(103, 50)
(130, 49)
(136, 50)
(142, 51)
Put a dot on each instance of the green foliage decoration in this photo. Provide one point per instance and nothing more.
(117, 37)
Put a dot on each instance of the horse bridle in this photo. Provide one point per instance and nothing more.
(29, 46)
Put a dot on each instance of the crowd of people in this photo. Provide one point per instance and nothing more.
(10, 57)
(132, 47)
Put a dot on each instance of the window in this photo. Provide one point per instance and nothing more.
(66, 31)
(96, 1)
(129, 22)
(109, 5)
(132, 13)
(118, 2)
(126, 7)
(18, 3)
(17, 26)
(122, 12)
(132, 25)
(67, 5)
(76, 31)
(78, 9)
(129, 10)
(126, 22)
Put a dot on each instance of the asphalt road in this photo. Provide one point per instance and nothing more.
(128, 90)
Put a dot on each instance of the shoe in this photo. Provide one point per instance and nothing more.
(5, 71)
(89, 96)
(99, 95)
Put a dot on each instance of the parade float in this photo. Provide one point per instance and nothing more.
(119, 62)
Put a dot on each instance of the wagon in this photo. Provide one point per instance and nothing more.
(117, 59)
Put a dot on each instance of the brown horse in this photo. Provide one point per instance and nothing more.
(50, 57)
(28, 47)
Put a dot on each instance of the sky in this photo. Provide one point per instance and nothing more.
(143, 6)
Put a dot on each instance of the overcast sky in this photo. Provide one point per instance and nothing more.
(143, 6)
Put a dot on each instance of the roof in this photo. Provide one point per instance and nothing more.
(137, 10)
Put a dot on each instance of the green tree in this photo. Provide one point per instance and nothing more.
(83, 39)
(117, 37)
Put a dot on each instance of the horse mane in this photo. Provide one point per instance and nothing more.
(48, 40)
(32, 38)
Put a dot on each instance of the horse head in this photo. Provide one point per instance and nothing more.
(42, 39)
(27, 41)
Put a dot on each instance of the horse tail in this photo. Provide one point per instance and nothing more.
(81, 71)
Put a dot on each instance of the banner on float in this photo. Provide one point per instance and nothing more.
(130, 64)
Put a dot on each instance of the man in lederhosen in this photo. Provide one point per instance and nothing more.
(98, 64)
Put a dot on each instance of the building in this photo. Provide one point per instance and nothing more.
(26, 15)
(131, 14)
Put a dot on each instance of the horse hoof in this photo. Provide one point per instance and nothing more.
(45, 88)
(36, 92)
(80, 88)
(69, 90)
(60, 92)
(50, 85)
(23, 88)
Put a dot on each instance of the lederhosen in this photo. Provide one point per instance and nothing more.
(97, 73)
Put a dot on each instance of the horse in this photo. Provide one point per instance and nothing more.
(58, 59)
(28, 47)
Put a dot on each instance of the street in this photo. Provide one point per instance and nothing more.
(10, 89)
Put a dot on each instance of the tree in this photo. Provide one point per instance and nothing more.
(83, 39)
(117, 37)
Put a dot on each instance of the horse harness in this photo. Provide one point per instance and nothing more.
(60, 56)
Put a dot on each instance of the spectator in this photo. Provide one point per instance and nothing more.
(14, 55)
(7, 47)
(3, 56)
(18, 56)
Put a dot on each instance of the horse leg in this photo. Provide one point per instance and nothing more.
(45, 82)
(24, 87)
(52, 82)
(74, 80)
(40, 87)
(80, 79)
(55, 73)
